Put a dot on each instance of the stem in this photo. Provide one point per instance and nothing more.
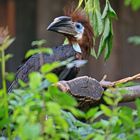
(5, 92)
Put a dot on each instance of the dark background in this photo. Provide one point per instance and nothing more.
(27, 21)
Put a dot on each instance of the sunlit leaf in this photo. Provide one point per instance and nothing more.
(8, 56)
(107, 111)
(39, 50)
(49, 67)
(35, 80)
(134, 39)
(80, 3)
(39, 43)
(51, 77)
(10, 76)
(91, 112)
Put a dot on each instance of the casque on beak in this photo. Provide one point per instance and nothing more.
(63, 25)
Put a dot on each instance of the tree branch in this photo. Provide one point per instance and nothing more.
(89, 92)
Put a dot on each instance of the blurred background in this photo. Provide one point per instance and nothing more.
(27, 21)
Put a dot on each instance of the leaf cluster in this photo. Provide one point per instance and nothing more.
(102, 25)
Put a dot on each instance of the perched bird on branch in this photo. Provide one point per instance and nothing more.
(75, 26)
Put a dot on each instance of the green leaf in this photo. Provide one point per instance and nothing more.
(31, 131)
(35, 79)
(103, 41)
(65, 41)
(105, 11)
(109, 46)
(111, 12)
(93, 53)
(10, 76)
(77, 113)
(106, 110)
(39, 43)
(91, 113)
(49, 67)
(108, 100)
(127, 2)
(51, 77)
(80, 3)
(97, 5)
(64, 99)
(8, 56)
(137, 102)
(134, 39)
(39, 50)
(99, 22)
(21, 83)
(6, 43)
(53, 108)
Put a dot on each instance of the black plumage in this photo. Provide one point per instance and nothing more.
(75, 25)
(34, 63)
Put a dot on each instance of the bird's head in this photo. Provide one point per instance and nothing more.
(75, 25)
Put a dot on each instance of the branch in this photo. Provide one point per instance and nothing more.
(107, 84)
(89, 91)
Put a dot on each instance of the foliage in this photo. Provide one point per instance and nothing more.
(39, 110)
(134, 39)
(135, 4)
(102, 24)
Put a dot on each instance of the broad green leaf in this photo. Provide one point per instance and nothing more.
(8, 56)
(97, 5)
(105, 11)
(109, 46)
(91, 113)
(135, 4)
(127, 2)
(49, 67)
(51, 77)
(103, 41)
(10, 76)
(39, 50)
(107, 111)
(35, 79)
(108, 100)
(111, 12)
(99, 22)
(53, 108)
(39, 43)
(64, 99)
(96, 20)
(31, 131)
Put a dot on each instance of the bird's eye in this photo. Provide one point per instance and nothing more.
(78, 26)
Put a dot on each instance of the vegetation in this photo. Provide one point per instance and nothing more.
(102, 25)
(38, 110)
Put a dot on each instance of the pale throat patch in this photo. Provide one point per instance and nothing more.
(79, 36)
(76, 47)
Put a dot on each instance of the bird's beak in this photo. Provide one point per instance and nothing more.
(63, 25)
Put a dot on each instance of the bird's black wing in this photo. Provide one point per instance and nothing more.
(34, 63)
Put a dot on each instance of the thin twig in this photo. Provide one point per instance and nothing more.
(108, 84)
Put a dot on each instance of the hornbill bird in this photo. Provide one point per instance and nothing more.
(76, 27)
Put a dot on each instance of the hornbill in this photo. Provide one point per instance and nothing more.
(76, 27)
